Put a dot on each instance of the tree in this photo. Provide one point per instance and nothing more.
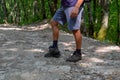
(43, 9)
(105, 18)
(90, 20)
(52, 6)
(118, 23)
(4, 9)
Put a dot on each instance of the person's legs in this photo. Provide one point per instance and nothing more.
(55, 33)
(78, 38)
(74, 26)
(53, 49)
(58, 18)
(77, 53)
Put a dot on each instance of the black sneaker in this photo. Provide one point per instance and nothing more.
(53, 52)
(75, 57)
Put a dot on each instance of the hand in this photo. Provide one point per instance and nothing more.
(74, 12)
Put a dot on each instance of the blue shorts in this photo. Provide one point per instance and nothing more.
(62, 16)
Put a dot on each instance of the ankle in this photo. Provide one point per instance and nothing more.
(78, 51)
(55, 44)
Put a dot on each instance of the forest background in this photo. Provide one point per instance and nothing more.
(101, 18)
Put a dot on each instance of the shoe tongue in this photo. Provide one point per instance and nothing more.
(75, 53)
(53, 47)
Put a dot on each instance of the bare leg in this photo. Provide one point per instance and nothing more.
(55, 30)
(53, 50)
(77, 54)
(78, 38)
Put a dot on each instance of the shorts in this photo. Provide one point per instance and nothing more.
(62, 16)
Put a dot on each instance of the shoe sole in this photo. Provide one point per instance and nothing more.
(55, 56)
(73, 60)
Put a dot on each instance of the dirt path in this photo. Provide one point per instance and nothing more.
(22, 56)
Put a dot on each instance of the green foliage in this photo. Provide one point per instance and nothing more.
(112, 30)
(24, 10)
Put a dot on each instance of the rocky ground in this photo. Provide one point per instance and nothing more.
(22, 56)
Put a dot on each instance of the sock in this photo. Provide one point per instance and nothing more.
(78, 51)
(55, 44)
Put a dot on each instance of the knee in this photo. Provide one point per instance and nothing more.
(77, 32)
(53, 23)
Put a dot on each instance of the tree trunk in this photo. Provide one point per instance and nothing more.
(4, 10)
(118, 23)
(17, 12)
(53, 6)
(43, 9)
(102, 32)
(25, 17)
(35, 7)
(90, 20)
